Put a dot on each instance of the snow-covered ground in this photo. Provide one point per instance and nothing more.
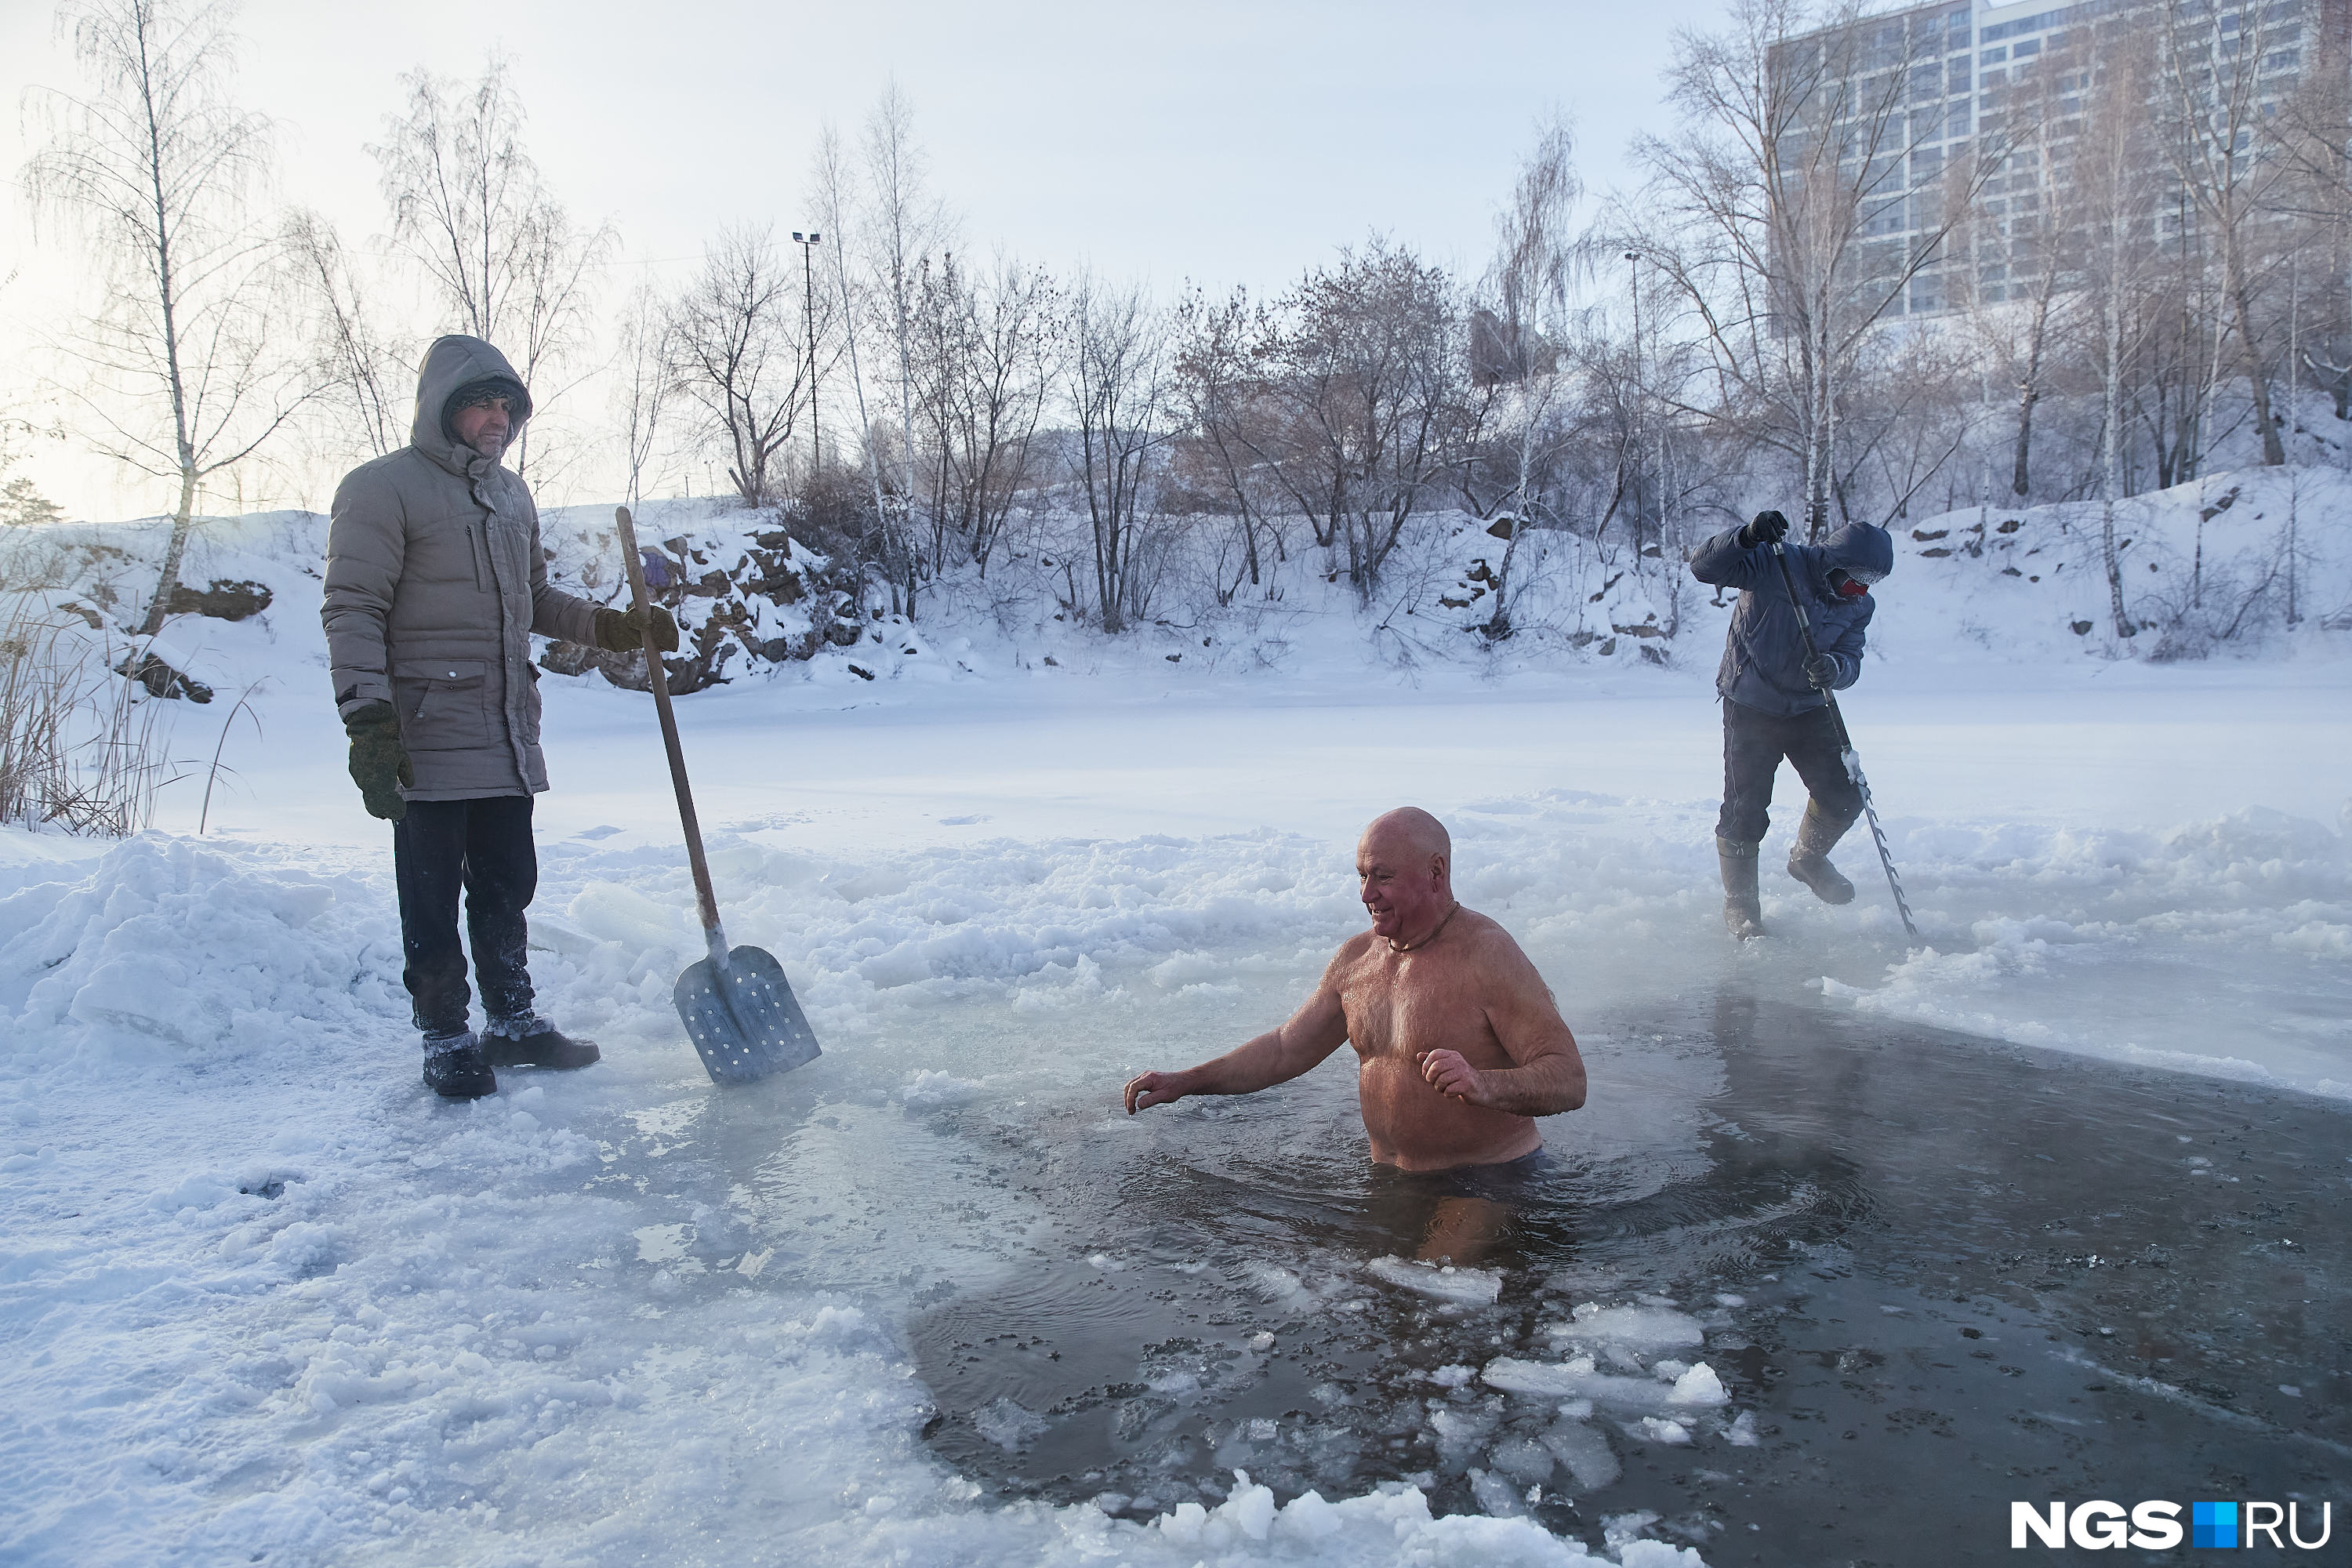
(265, 1298)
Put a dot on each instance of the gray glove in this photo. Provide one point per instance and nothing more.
(620, 633)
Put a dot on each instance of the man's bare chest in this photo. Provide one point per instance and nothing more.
(1403, 1009)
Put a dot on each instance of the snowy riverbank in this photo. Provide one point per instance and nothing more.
(265, 1295)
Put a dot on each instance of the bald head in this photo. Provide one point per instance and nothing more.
(1409, 831)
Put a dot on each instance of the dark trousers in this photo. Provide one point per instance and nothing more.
(1754, 741)
(484, 847)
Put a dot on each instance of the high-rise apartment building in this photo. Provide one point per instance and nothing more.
(2016, 78)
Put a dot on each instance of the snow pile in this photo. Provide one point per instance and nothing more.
(2136, 936)
(167, 943)
(1392, 1525)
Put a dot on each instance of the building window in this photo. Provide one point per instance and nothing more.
(2025, 47)
(1993, 56)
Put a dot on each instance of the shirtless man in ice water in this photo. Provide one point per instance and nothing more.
(1459, 1043)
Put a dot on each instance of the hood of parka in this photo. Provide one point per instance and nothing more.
(451, 364)
(1859, 547)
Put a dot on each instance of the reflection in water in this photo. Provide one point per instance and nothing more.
(1910, 1265)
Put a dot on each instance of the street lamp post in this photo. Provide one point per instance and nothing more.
(808, 243)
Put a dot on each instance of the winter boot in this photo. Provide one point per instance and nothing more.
(1743, 906)
(455, 1068)
(1809, 857)
(532, 1041)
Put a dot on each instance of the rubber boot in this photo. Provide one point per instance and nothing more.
(455, 1068)
(532, 1042)
(1809, 857)
(1743, 906)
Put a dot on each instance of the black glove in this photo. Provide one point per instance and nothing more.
(1820, 670)
(379, 762)
(1769, 528)
(619, 633)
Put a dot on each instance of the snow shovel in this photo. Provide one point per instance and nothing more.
(738, 1008)
(1845, 745)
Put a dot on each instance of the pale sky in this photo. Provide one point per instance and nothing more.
(1219, 142)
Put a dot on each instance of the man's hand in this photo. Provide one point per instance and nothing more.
(1451, 1075)
(1153, 1088)
(379, 762)
(620, 633)
(1769, 528)
(1820, 670)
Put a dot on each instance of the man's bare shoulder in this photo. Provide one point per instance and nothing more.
(1490, 949)
(1486, 933)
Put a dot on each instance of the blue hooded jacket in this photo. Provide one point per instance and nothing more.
(1763, 657)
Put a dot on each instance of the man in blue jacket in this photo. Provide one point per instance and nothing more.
(1773, 701)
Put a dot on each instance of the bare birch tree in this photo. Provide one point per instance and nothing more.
(736, 353)
(1222, 401)
(2214, 107)
(1780, 212)
(355, 370)
(1364, 362)
(983, 347)
(1119, 388)
(899, 224)
(643, 380)
(1527, 283)
(2109, 189)
(191, 368)
(832, 193)
(469, 208)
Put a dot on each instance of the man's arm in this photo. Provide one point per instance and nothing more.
(1546, 1075)
(1723, 561)
(367, 547)
(553, 612)
(1844, 654)
(1314, 1032)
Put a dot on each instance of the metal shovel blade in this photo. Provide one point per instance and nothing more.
(744, 1019)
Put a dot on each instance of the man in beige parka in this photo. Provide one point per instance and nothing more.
(436, 581)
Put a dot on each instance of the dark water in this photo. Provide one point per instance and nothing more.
(1964, 1274)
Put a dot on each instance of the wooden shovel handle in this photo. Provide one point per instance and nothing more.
(659, 679)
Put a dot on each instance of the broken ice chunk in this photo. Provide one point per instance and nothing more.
(1658, 1429)
(1636, 1328)
(1699, 1386)
(1466, 1287)
(1585, 1451)
(1575, 1379)
(1007, 1424)
(1496, 1496)
(1523, 1459)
